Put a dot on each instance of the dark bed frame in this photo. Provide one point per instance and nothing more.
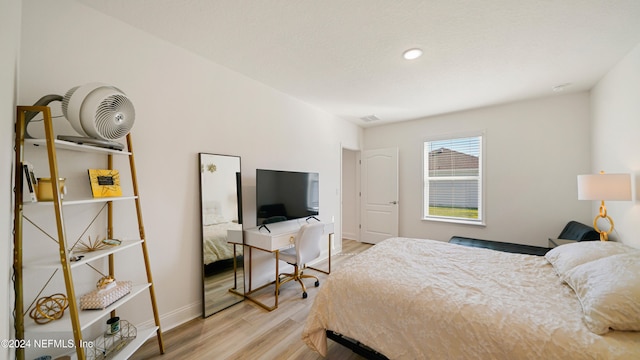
(356, 346)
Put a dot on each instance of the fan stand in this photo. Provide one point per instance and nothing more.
(93, 142)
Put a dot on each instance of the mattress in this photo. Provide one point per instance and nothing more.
(214, 242)
(415, 298)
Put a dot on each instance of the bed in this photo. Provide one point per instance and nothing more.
(415, 298)
(214, 241)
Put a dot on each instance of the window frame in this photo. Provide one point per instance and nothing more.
(481, 220)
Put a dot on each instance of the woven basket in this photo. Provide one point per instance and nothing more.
(100, 299)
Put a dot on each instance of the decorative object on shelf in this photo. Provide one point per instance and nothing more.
(44, 189)
(107, 345)
(95, 245)
(101, 298)
(49, 308)
(30, 180)
(610, 187)
(106, 282)
(73, 258)
(112, 242)
(105, 183)
(113, 325)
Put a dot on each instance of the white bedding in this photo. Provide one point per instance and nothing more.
(215, 246)
(414, 298)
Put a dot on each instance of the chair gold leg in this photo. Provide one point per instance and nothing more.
(304, 288)
(308, 277)
(297, 275)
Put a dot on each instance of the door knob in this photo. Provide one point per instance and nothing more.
(393, 202)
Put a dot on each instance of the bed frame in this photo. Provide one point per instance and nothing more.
(355, 346)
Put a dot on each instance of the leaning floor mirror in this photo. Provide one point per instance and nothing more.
(221, 209)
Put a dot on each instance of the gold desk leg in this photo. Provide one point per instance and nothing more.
(276, 282)
(329, 270)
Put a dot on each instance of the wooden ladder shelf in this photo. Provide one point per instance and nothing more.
(63, 259)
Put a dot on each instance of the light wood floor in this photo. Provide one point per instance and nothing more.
(246, 331)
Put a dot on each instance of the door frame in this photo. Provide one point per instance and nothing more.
(345, 192)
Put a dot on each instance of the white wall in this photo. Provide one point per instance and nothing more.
(9, 42)
(534, 151)
(184, 105)
(615, 105)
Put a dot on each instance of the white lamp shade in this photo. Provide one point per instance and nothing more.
(604, 187)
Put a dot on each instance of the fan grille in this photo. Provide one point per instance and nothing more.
(114, 116)
(65, 101)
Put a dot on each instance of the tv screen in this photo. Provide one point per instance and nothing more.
(286, 195)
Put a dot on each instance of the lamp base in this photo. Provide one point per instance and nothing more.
(604, 235)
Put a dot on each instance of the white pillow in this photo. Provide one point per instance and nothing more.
(566, 257)
(609, 292)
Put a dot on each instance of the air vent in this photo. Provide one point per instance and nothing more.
(370, 118)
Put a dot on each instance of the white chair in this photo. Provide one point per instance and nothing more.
(307, 248)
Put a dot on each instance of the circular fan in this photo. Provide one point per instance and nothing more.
(99, 111)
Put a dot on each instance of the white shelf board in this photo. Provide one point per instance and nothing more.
(68, 145)
(143, 334)
(82, 201)
(88, 257)
(86, 317)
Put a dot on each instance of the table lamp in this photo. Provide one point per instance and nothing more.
(604, 187)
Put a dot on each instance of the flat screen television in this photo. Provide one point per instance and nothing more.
(286, 195)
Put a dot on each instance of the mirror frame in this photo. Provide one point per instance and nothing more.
(235, 293)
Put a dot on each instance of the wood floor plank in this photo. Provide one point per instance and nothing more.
(246, 331)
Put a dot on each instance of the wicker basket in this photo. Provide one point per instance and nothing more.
(100, 299)
(107, 346)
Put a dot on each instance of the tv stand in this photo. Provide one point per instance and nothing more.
(312, 217)
(280, 236)
(264, 226)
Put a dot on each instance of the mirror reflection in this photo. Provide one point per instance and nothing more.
(223, 275)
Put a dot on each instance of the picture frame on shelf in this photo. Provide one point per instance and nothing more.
(105, 183)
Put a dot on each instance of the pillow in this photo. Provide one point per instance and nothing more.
(566, 257)
(609, 292)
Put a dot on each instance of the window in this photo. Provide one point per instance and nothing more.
(453, 180)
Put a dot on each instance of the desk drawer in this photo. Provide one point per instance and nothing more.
(267, 241)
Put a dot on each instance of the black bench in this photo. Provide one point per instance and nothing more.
(572, 231)
(500, 246)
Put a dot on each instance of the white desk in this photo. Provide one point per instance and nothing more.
(278, 236)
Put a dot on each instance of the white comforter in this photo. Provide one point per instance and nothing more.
(214, 242)
(416, 299)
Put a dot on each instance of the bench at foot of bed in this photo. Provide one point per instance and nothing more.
(500, 246)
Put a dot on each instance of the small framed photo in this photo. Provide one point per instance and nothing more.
(105, 183)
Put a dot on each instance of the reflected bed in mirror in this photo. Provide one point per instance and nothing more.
(221, 210)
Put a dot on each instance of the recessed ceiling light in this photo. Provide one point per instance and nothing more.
(412, 54)
(561, 87)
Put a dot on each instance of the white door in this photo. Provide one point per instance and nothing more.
(379, 195)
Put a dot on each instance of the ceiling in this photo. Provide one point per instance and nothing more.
(345, 56)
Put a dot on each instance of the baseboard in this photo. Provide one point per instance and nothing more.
(350, 236)
(177, 317)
